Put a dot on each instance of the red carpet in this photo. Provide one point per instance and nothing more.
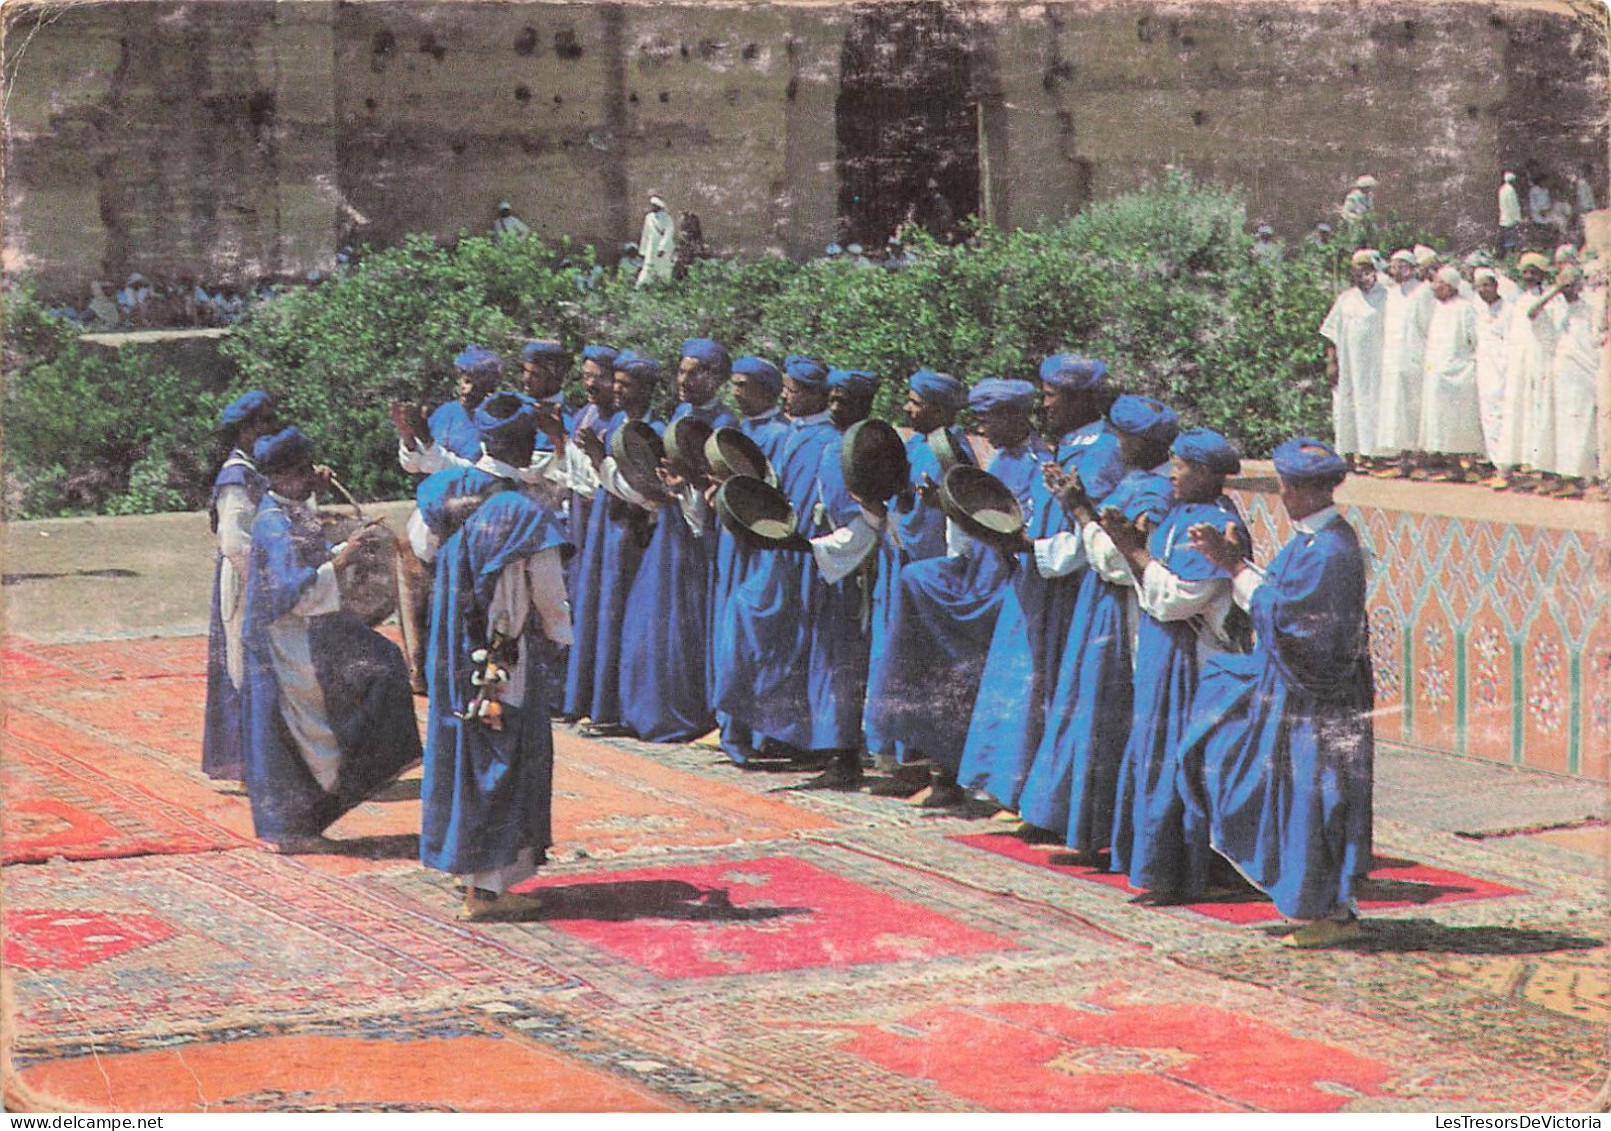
(61, 801)
(750, 917)
(1117, 1057)
(1394, 883)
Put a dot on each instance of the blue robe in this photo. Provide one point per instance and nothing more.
(1278, 757)
(452, 427)
(734, 561)
(839, 618)
(1152, 840)
(1071, 782)
(579, 508)
(361, 676)
(764, 646)
(617, 533)
(1026, 649)
(665, 662)
(222, 750)
(920, 535)
(487, 795)
(925, 676)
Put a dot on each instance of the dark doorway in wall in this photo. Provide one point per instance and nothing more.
(907, 122)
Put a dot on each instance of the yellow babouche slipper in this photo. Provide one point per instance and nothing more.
(482, 906)
(1324, 932)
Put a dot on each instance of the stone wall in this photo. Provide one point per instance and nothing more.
(239, 138)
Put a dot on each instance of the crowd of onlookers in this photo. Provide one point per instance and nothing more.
(1481, 368)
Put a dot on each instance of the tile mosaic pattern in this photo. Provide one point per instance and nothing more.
(1489, 639)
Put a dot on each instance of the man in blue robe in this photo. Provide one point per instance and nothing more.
(838, 607)
(665, 663)
(1026, 650)
(568, 459)
(1069, 791)
(918, 528)
(545, 366)
(1186, 618)
(756, 385)
(619, 527)
(237, 490)
(924, 681)
(450, 429)
(763, 648)
(1278, 757)
(497, 615)
(328, 715)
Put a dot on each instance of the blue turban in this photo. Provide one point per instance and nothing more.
(603, 356)
(996, 392)
(479, 362)
(1208, 449)
(544, 351)
(761, 371)
(245, 405)
(807, 371)
(286, 450)
(503, 415)
(641, 368)
(622, 359)
(1304, 457)
(1073, 372)
(1142, 416)
(939, 389)
(855, 382)
(707, 352)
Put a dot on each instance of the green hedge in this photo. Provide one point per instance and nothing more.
(1158, 283)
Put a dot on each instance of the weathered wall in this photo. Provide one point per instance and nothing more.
(169, 138)
(239, 137)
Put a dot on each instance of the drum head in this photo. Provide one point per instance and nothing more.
(873, 459)
(982, 505)
(368, 580)
(638, 450)
(950, 450)
(755, 511)
(730, 452)
(685, 447)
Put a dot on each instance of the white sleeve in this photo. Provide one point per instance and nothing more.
(958, 542)
(323, 596)
(424, 543)
(582, 476)
(1059, 555)
(1104, 556)
(235, 515)
(1165, 597)
(839, 552)
(429, 459)
(545, 467)
(611, 480)
(545, 572)
(1244, 584)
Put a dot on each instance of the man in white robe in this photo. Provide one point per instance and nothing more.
(1451, 414)
(1406, 314)
(1490, 312)
(1528, 423)
(1580, 327)
(1353, 333)
(1510, 215)
(657, 243)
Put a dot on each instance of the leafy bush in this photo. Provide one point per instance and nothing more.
(80, 419)
(1158, 283)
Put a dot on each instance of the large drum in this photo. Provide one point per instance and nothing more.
(369, 579)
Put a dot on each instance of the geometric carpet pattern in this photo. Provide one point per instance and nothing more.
(708, 944)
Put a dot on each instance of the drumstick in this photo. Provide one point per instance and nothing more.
(346, 494)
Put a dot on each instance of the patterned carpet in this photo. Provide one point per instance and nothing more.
(713, 941)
